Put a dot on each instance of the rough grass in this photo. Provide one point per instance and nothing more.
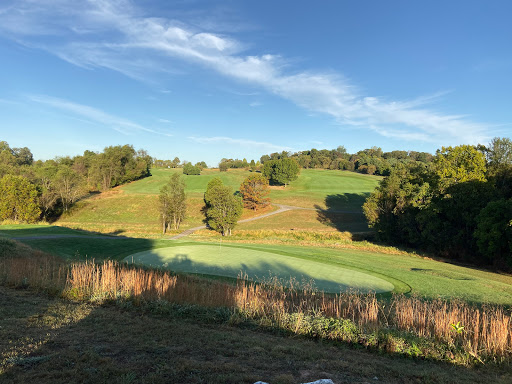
(48, 340)
(405, 326)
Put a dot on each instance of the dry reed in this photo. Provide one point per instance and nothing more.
(487, 331)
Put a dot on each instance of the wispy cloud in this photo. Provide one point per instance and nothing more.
(93, 115)
(240, 142)
(119, 36)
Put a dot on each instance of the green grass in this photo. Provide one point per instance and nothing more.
(260, 265)
(133, 208)
(314, 187)
(407, 273)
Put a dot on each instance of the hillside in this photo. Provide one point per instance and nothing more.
(132, 209)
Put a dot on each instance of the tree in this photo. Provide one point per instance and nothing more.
(494, 231)
(69, 186)
(223, 166)
(281, 171)
(254, 190)
(201, 165)
(224, 209)
(208, 195)
(176, 162)
(19, 199)
(499, 154)
(173, 203)
(189, 169)
(459, 164)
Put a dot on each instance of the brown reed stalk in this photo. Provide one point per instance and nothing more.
(487, 331)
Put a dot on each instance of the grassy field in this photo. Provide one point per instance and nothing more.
(50, 340)
(133, 209)
(408, 273)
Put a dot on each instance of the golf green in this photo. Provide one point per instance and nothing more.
(229, 261)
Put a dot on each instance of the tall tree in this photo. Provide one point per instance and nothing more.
(255, 190)
(224, 209)
(69, 186)
(19, 199)
(173, 203)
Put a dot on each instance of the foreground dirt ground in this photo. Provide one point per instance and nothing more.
(48, 340)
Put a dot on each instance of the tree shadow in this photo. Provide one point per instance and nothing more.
(344, 212)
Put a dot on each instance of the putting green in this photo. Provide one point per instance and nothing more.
(258, 265)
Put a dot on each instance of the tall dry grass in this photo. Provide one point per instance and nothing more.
(487, 332)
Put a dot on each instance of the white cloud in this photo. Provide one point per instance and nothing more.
(240, 142)
(118, 36)
(93, 115)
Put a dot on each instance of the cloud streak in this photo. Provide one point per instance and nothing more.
(240, 142)
(93, 115)
(118, 36)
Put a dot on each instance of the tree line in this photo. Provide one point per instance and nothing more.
(33, 190)
(368, 161)
(459, 205)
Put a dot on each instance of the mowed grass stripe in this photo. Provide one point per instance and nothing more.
(259, 265)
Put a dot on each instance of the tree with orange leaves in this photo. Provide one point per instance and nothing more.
(254, 190)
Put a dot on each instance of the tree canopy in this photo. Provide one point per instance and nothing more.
(281, 171)
(223, 207)
(173, 203)
(255, 190)
(458, 206)
(19, 199)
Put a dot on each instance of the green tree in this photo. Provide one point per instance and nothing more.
(255, 190)
(224, 209)
(459, 164)
(494, 232)
(19, 199)
(208, 195)
(69, 186)
(173, 203)
(281, 171)
(223, 166)
(189, 169)
(499, 154)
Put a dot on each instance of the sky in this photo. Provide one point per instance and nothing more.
(203, 80)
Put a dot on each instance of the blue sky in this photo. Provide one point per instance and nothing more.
(203, 80)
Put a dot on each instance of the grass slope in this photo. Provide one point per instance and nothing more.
(133, 208)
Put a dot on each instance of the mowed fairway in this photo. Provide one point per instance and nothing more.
(222, 260)
(133, 208)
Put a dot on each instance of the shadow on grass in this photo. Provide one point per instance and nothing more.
(277, 271)
(344, 212)
(79, 244)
